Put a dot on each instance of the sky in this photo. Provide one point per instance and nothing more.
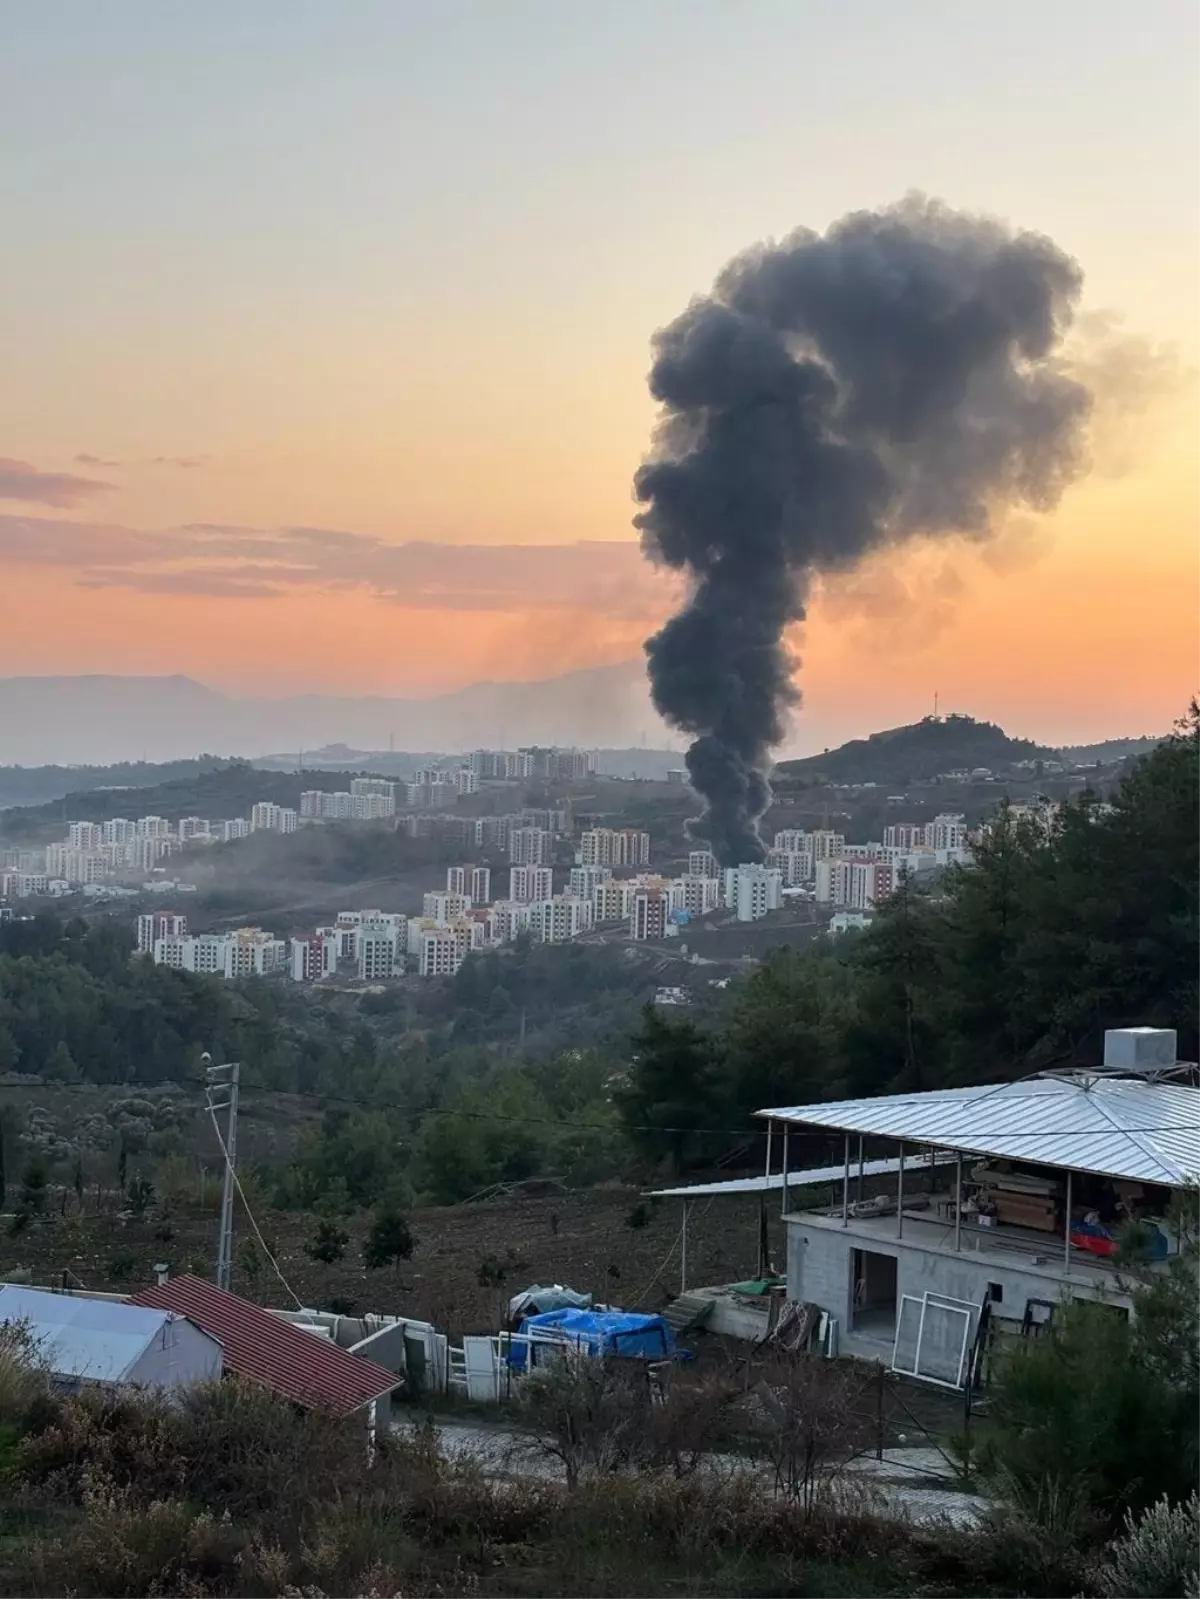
(324, 347)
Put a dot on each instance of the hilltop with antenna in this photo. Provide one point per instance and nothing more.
(920, 752)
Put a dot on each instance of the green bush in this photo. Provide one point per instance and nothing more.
(1159, 1555)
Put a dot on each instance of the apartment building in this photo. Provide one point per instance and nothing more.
(313, 956)
(443, 907)
(479, 885)
(438, 952)
(648, 912)
(376, 787)
(154, 925)
(530, 846)
(826, 844)
(792, 839)
(795, 866)
(612, 900)
(562, 917)
(85, 835)
(582, 881)
(609, 846)
(751, 891)
(702, 863)
(528, 884)
(379, 955)
(266, 817)
(506, 919)
(695, 895)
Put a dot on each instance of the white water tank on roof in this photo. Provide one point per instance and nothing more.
(1140, 1048)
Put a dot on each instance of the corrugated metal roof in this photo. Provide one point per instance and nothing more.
(85, 1338)
(1115, 1126)
(796, 1179)
(264, 1349)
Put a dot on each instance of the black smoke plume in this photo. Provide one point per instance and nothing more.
(901, 374)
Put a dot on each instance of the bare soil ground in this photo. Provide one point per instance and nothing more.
(468, 1260)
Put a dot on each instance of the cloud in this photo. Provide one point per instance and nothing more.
(610, 579)
(186, 463)
(21, 481)
(83, 459)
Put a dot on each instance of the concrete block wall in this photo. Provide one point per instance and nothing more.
(819, 1270)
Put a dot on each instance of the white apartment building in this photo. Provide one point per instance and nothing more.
(904, 836)
(832, 879)
(154, 925)
(582, 881)
(530, 846)
(85, 835)
(528, 884)
(792, 839)
(246, 952)
(947, 831)
(466, 781)
(506, 919)
(795, 866)
(609, 846)
(266, 817)
(456, 879)
(378, 787)
(648, 912)
(249, 952)
(479, 885)
(118, 830)
(192, 827)
(439, 953)
(443, 907)
(752, 890)
(379, 955)
(612, 900)
(695, 895)
(702, 863)
(555, 920)
(826, 844)
(152, 827)
(314, 956)
(235, 827)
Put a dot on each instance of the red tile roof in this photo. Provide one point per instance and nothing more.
(264, 1348)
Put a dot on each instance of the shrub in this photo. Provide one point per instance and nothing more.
(1159, 1555)
(389, 1240)
(328, 1243)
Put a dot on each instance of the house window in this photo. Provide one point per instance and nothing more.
(996, 1293)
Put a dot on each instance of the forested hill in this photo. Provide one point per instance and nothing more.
(225, 788)
(917, 753)
(38, 785)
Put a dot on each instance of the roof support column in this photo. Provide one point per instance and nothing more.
(1067, 1227)
(767, 1166)
(958, 1199)
(900, 1197)
(846, 1184)
(784, 1209)
(860, 1168)
(687, 1205)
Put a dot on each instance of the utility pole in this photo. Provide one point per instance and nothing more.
(221, 1094)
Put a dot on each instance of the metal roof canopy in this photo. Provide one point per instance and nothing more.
(88, 1338)
(795, 1179)
(1113, 1126)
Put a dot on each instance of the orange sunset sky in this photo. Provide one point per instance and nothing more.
(327, 327)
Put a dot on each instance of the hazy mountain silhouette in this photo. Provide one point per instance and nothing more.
(105, 719)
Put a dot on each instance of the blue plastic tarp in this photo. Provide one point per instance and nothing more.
(602, 1332)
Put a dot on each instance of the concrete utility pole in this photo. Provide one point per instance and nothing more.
(221, 1094)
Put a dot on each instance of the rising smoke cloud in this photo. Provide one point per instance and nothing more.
(901, 374)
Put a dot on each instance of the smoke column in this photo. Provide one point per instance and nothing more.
(901, 374)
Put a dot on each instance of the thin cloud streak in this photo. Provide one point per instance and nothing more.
(19, 480)
(233, 562)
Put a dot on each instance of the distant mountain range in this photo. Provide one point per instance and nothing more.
(98, 720)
